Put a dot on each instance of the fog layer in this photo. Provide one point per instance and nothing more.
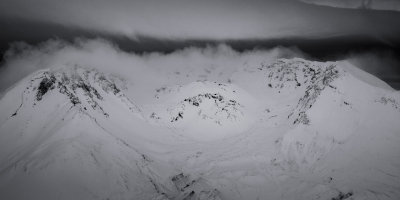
(23, 59)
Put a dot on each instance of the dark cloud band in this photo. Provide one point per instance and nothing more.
(207, 19)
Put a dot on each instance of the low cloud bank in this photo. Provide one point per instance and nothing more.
(23, 59)
(154, 69)
(382, 64)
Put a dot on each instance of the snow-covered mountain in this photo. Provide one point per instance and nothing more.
(278, 129)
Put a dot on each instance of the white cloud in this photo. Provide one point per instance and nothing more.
(148, 70)
(155, 69)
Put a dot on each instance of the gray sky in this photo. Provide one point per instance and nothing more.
(220, 20)
(205, 19)
(356, 4)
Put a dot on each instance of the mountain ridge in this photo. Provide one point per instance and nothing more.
(288, 129)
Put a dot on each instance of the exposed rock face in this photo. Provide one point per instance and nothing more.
(45, 85)
(83, 87)
(206, 101)
(223, 107)
(319, 82)
(300, 75)
(196, 189)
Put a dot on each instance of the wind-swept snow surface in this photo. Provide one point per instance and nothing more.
(274, 129)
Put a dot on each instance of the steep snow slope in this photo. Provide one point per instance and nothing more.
(72, 134)
(278, 129)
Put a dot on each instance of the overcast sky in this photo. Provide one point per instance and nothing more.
(357, 4)
(215, 20)
(204, 19)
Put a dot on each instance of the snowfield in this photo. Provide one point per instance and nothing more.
(275, 129)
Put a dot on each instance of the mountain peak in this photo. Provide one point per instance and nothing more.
(83, 88)
(274, 125)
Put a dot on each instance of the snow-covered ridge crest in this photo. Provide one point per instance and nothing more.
(301, 80)
(209, 108)
(82, 87)
(297, 73)
(217, 102)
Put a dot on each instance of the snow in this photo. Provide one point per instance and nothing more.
(278, 129)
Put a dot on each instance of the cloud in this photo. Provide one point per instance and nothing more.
(192, 19)
(169, 19)
(359, 4)
(382, 64)
(151, 70)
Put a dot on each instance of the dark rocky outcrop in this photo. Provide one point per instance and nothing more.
(194, 189)
(45, 85)
(73, 82)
